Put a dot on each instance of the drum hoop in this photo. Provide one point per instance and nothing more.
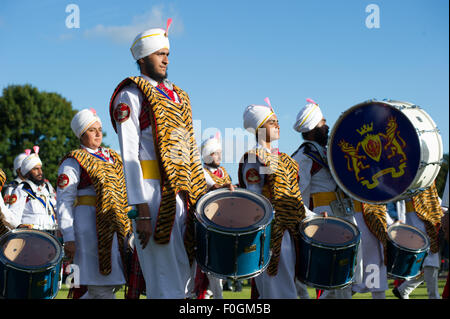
(232, 231)
(420, 250)
(32, 269)
(241, 193)
(330, 151)
(354, 242)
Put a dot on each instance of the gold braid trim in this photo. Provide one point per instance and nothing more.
(375, 219)
(111, 203)
(428, 209)
(180, 165)
(226, 179)
(3, 228)
(283, 192)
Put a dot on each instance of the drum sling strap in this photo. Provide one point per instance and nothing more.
(180, 166)
(3, 228)
(111, 205)
(225, 179)
(428, 209)
(283, 192)
(375, 219)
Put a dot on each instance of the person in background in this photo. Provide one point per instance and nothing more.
(34, 200)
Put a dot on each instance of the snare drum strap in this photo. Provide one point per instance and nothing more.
(428, 209)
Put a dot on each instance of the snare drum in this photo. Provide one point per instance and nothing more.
(232, 231)
(328, 249)
(406, 248)
(384, 151)
(30, 264)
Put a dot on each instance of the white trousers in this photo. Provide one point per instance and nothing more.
(282, 285)
(101, 292)
(430, 276)
(166, 267)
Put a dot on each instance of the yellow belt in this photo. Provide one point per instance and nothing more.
(410, 207)
(85, 200)
(150, 169)
(325, 198)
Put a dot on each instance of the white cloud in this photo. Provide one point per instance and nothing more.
(155, 18)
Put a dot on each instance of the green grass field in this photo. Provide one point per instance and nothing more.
(419, 293)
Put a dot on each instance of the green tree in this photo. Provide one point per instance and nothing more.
(29, 117)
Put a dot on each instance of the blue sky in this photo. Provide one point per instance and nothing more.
(229, 54)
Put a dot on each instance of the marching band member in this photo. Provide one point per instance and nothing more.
(163, 171)
(275, 175)
(34, 200)
(424, 212)
(320, 192)
(216, 177)
(8, 189)
(92, 209)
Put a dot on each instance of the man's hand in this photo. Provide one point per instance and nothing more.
(143, 226)
(324, 214)
(69, 250)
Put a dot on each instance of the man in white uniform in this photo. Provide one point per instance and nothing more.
(34, 200)
(153, 120)
(78, 193)
(316, 183)
(265, 171)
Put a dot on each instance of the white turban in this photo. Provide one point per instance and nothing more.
(308, 117)
(18, 161)
(83, 120)
(210, 146)
(255, 116)
(29, 163)
(150, 41)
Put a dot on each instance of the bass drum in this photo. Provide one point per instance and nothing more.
(384, 151)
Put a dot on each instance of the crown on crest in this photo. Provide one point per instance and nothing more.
(365, 129)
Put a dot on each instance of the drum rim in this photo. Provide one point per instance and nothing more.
(210, 225)
(51, 264)
(354, 242)
(389, 103)
(421, 233)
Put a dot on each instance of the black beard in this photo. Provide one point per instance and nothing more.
(150, 71)
(213, 165)
(36, 181)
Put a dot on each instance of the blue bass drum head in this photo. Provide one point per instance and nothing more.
(374, 152)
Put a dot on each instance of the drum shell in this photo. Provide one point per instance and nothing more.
(233, 250)
(232, 255)
(326, 266)
(38, 284)
(404, 263)
(22, 282)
